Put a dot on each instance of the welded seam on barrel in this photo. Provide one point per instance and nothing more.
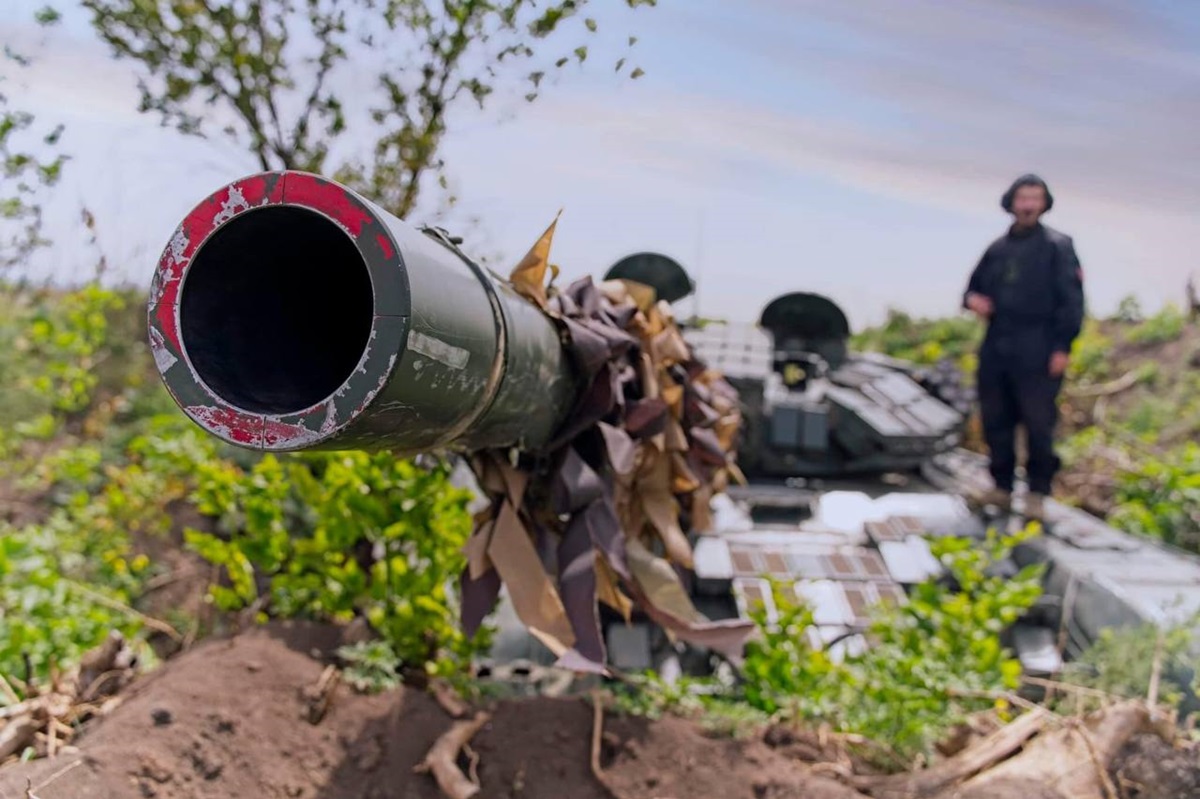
(491, 388)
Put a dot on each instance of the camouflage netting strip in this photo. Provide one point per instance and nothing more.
(600, 514)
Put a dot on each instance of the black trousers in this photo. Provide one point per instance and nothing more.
(1016, 392)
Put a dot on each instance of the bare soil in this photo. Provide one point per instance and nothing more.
(227, 720)
(1150, 768)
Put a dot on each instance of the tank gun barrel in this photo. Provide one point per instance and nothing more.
(287, 312)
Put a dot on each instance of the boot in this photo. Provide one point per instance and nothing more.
(995, 497)
(1035, 507)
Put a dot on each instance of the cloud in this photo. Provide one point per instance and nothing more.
(1134, 232)
(834, 147)
(1105, 97)
(939, 107)
(70, 76)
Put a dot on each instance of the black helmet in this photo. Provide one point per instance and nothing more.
(1025, 180)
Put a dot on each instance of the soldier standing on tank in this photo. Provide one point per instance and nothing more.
(1028, 287)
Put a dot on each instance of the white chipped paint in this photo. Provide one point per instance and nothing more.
(362, 365)
(163, 358)
(299, 435)
(178, 245)
(235, 203)
(435, 349)
(382, 382)
(156, 292)
(330, 418)
(174, 257)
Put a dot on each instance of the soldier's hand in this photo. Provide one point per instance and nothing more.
(980, 304)
(1058, 364)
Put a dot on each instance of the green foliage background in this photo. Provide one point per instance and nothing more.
(924, 341)
(98, 462)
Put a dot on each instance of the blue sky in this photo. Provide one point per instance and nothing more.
(858, 149)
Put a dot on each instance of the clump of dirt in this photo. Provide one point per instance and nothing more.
(227, 720)
(1150, 768)
(673, 757)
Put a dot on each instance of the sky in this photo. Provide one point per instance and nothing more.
(854, 149)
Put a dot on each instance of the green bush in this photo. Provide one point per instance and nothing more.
(89, 434)
(335, 536)
(1121, 663)
(1160, 497)
(924, 341)
(322, 536)
(370, 666)
(53, 596)
(782, 671)
(931, 661)
(65, 583)
(1091, 355)
(1166, 325)
(1129, 310)
(63, 336)
(69, 578)
(1150, 415)
(52, 344)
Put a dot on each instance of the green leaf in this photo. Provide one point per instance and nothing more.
(47, 16)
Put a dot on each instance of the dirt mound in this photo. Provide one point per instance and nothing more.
(227, 720)
(672, 757)
(1150, 768)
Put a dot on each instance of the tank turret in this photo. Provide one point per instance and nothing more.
(813, 408)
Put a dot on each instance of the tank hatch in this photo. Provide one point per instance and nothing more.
(665, 275)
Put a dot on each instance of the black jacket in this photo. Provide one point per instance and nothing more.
(1035, 283)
